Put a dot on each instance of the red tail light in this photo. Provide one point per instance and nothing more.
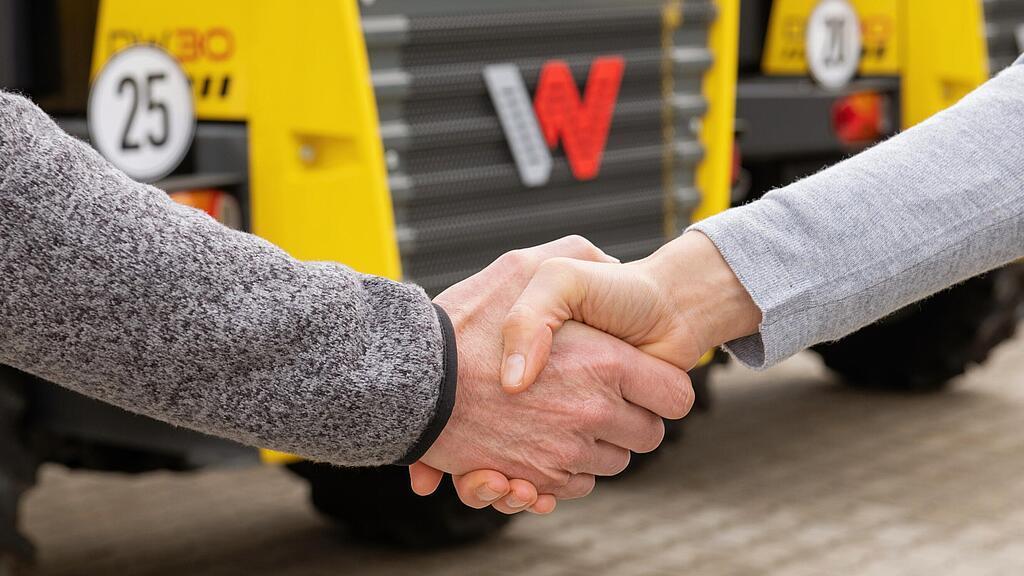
(223, 207)
(859, 118)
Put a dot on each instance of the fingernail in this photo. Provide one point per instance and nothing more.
(514, 502)
(487, 494)
(512, 375)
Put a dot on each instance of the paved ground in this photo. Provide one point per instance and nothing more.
(790, 474)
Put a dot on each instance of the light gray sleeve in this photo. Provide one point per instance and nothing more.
(111, 289)
(928, 208)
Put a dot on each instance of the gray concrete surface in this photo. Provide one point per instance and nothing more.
(791, 474)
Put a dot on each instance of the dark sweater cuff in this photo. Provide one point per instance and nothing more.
(445, 396)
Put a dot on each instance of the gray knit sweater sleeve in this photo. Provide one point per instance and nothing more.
(111, 289)
(926, 209)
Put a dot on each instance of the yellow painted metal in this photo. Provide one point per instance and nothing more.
(318, 184)
(671, 19)
(785, 50)
(945, 55)
(210, 39)
(706, 358)
(714, 174)
(274, 458)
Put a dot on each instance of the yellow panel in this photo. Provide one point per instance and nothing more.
(945, 55)
(278, 458)
(879, 25)
(319, 183)
(208, 38)
(784, 50)
(714, 175)
(300, 76)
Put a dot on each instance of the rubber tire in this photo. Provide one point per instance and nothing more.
(17, 470)
(922, 347)
(377, 505)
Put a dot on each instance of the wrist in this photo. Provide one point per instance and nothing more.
(445, 404)
(701, 285)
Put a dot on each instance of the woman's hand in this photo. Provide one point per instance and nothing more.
(675, 305)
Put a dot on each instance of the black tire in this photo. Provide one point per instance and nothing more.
(377, 505)
(17, 469)
(922, 347)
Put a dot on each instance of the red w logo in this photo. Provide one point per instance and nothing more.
(581, 124)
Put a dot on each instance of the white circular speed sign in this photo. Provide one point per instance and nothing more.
(141, 114)
(833, 43)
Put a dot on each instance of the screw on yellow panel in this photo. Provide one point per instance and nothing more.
(714, 174)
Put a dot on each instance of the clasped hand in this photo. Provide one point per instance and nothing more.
(590, 355)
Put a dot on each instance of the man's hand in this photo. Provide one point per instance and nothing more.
(601, 397)
(676, 304)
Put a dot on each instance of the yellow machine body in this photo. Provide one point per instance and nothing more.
(937, 48)
(298, 78)
(714, 175)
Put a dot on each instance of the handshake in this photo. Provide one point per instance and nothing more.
(569, 360)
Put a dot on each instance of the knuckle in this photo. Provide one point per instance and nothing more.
(579, 247)
(612, 363)
(577, 242)
(554, 481)
(653, 437)
(622, 463)
(559, 268)
(581, 486)
(521, 259)
(572, 456)
(595, 414)
(519, 315)
(680, 399)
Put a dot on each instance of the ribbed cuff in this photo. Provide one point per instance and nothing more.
(734, 233)
(445, 396)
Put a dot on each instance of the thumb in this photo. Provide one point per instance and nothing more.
(545, 305)
(424, 479)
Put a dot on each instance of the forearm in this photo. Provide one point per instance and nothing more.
(940, 203)
(113, 290)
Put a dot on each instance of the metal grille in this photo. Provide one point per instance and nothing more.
(1002, 20)
(457, 195)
